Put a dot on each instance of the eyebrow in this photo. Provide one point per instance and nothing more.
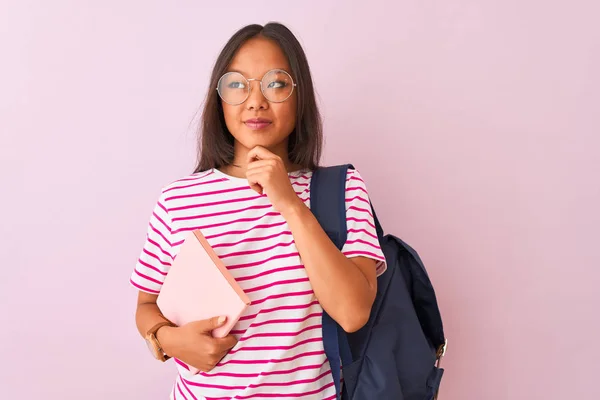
(271, 69)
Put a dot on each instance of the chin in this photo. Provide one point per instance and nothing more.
(252, 138)
(250, 144)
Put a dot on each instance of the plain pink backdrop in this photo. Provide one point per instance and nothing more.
(475, 123)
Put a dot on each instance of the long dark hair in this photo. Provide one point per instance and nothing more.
(215, 142)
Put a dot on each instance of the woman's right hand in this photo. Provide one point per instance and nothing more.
(193, 343)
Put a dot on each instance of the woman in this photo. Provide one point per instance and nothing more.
(260, 141)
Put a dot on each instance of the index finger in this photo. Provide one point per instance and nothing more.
(259, 153)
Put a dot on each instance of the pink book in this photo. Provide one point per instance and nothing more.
(199, 286)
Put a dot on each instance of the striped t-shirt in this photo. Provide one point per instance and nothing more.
(280, 352)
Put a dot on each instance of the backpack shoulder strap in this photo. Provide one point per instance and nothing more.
(328, 201)
(328, 204)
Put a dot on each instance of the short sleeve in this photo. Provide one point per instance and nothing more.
(157, 254)
(362, 238)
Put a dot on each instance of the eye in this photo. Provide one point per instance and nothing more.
(236, 85)
(277, 85)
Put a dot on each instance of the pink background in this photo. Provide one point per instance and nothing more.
(475, 123)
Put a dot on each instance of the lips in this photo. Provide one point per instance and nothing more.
(257, 123)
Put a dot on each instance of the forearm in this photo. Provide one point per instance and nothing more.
(340, 286)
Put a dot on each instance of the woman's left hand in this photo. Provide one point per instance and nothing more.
(267, 174)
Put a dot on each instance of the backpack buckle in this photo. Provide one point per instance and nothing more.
(441, 353)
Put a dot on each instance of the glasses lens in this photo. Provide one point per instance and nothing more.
(277, 86)
(233, 88)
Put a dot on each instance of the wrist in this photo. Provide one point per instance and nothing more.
(165, 336)
(295, 210)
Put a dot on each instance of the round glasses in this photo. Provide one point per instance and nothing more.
(277, 86)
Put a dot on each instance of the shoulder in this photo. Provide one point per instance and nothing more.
(354, 175)
(355, 180)
(190, 184)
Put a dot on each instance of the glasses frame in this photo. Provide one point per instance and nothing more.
(248, 80)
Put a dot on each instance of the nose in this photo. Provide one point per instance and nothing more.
(256, 100)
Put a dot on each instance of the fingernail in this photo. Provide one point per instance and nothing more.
(221, 319)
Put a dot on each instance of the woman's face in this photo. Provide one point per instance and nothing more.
(258, 122)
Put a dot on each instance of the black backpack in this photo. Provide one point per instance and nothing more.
(396, 355)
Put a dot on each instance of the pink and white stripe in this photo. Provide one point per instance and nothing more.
(280, 353)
